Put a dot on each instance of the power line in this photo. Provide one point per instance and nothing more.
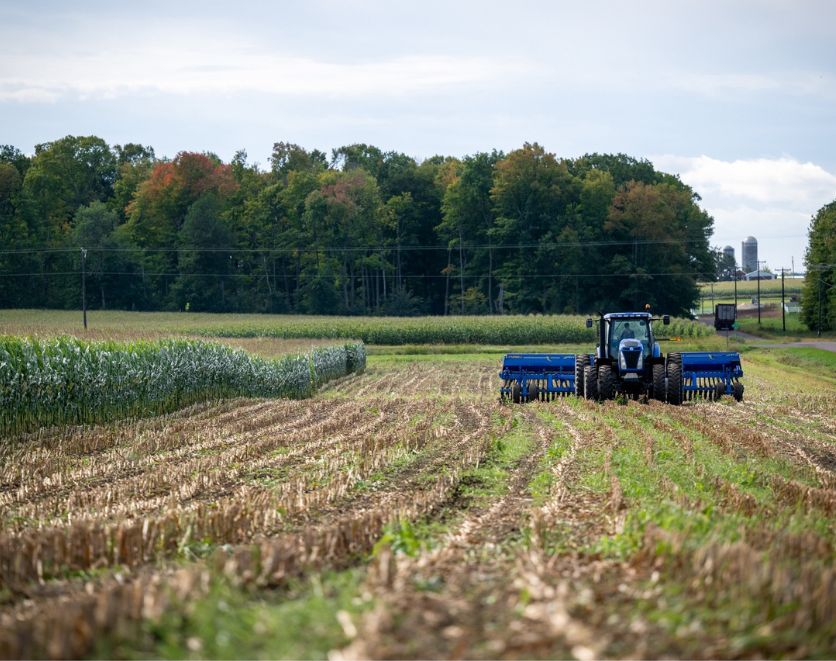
(257, 275)
(380, 248)
(262, 274)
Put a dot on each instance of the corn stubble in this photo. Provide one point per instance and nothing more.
(267, 489)
(106, 526)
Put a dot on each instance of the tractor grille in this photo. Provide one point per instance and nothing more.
(631, 359)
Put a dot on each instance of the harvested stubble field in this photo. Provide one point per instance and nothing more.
(405, 512)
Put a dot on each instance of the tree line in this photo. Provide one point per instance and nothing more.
(359, 231)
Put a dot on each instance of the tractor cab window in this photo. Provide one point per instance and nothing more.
(629, 328)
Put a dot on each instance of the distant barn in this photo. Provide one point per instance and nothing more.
(760, 275)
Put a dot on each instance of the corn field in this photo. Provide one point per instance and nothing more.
(69, 381)
(508, 330)
(503, 330)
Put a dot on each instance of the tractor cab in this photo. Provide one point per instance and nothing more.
(626, 341)
(621, 329)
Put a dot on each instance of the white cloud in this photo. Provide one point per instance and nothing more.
(770, 199)
(782, 181)
(27, 94)
(180, 64)
(722, 84)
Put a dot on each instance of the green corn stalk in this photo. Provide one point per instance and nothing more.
(66, 381)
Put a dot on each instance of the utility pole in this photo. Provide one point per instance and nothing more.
(712, 298)
(758, 276)
(735, 288)
(783, 307)
(84, 285)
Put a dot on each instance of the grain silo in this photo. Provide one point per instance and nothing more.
(728, 251)
(749, 255)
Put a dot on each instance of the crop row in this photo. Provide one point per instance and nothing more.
(224, 507)
(69, 381)
(533, 329)
(70, 626)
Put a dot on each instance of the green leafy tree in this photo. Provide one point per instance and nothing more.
(15, 236)
(661, 248)
(111, 266)
(534, 198)
(346, 212)
(621, 167)
(581, 256)
(366, 157)
(204, 262)
(403, 178)
(13, 156)
(288, 157)
(10, 184)
(818, 300)
(468, 217)
(63, 176)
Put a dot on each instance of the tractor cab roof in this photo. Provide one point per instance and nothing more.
(627, 315)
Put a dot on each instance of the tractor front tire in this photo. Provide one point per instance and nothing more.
(581, 361)
(659, 382)
(606, 383)
(674, 390)
(590, 382)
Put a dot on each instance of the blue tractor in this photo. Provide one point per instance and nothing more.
(627, 361)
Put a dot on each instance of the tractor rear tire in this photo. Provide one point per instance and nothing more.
(606, 383)
(738, 391)
(515, 393)
(674, 389)
(581, 361)
(659, 382)
(590, 382)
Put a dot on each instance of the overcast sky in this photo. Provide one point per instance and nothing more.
(739, 98)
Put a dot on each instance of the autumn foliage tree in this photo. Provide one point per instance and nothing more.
(160, 206)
